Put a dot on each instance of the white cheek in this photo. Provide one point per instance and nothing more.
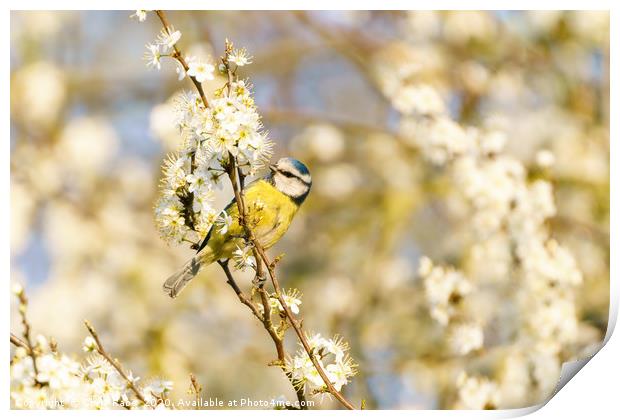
(290, 186)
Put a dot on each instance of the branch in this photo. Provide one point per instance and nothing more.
(196, 388)
(242, 297)
(115, 364)
(18, 342)
(265, 319)
(237, 179)
(176, 53)
(23, 305)
(258, 250)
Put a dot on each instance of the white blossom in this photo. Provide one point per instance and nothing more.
(89, 344)
(201, 71)
(140, 15)
(240, 57)
(153, 55)
(331, 355)
(168, 37)
(243, 258)
(545, 158)
(466, 337)
(476, 393)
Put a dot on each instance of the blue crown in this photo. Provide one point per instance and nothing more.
(298, 165)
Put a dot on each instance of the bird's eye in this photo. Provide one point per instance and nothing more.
(287, 174)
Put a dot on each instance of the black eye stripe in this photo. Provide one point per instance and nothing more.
(288, 174)
(292, 175)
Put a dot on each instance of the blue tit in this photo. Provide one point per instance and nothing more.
(270, 205)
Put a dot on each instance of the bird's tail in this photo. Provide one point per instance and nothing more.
(177, 282)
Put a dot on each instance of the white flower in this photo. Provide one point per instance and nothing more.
(153, 56)
(291, 299)
(180, 71)
(244, 258)
(338, 347)
(174, 171)
(444, 288)
(331, 356)
(440, 138)
(476, 393)
(545, 158)
(170, 219)
(201, 71)
(223, 222)
(89, 344)
(340, 372)
(160, 386)
(199, 180)
(418, 99)
(140, 15)
(292, 302)
(168, 37)
(240, 57)
(465, 338)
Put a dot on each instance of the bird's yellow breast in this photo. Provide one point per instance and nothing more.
(269, 213)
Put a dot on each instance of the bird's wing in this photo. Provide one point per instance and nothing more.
(232, 210)
(206, 239)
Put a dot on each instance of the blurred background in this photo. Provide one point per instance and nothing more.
(90, 126)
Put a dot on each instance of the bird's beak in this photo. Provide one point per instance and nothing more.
(273, 168)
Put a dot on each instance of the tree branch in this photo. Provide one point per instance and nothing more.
(18, 342)
(115, 364)
(179, 57)
(260, 254)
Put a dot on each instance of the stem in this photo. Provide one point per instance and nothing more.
(197, 389)
(242, 297)
(18, 342)
(265, 319)
(115, 364)
(23, 305)
(237, 179)
(176, 53)
(258, 249)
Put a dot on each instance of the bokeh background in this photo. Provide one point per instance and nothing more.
(90, 126)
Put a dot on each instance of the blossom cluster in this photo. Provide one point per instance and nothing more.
(228, 129)
(63, 382)
(45, 378)
(445, 289)
(331, 354)
(292, 299)
(512, 243)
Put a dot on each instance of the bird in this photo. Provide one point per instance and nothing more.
(270, 203)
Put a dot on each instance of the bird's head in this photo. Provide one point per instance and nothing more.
(291, 177)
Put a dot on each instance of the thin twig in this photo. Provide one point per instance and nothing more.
(265, 319)
(196, 388)
(293, 320)
(18, 342)
(242, 297)
(115, 364)
(23, 306)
